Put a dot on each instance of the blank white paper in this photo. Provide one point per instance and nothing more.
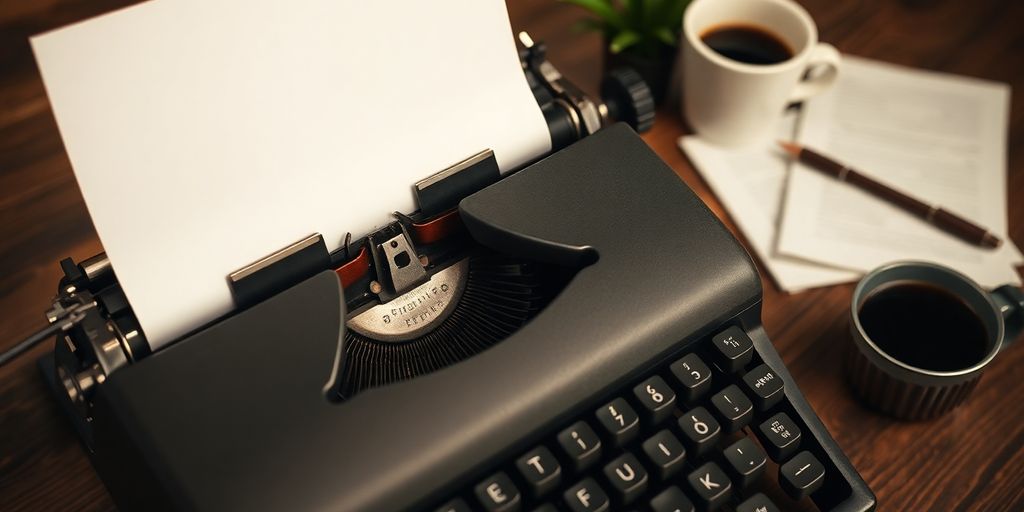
(751, 183)
(206, 135)
(938, 137)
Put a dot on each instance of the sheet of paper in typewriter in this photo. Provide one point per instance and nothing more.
(207, 134)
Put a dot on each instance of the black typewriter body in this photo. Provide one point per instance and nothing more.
(235, 416)
(652, 343)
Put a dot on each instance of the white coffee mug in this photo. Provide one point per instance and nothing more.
(733, 103)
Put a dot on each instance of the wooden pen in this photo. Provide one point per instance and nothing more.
(935, 215)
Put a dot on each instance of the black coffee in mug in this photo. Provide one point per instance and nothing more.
(924, 325)
(747, 43)
(922, 334)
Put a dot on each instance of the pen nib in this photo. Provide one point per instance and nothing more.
(790, 148)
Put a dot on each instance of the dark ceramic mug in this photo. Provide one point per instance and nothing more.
(893, 381)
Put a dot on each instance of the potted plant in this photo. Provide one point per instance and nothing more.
(641, 34)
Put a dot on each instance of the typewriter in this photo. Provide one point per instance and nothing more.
(580, 335)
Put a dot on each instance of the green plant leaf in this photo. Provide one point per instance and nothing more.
(669, 13)
(666, 36)
(603, 9)
(623, 40)
(675, 13)
(644, 27)
(651, 8)
(635, 14)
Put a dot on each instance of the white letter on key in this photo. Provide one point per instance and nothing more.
(535, 462)
(494, 491)
(584, 497)
(627, 477)
(706, 480)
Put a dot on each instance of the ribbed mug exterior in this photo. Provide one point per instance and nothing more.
(902, 399)
(902, 390)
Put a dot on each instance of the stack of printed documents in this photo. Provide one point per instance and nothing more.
(940, 138)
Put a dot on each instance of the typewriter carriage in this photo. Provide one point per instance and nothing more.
(102, 335)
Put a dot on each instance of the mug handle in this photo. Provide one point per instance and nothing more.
(1010, 301)
(823, 54)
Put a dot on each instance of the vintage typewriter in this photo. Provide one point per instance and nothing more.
(581, 335)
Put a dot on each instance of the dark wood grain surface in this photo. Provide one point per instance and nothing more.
(972, 459)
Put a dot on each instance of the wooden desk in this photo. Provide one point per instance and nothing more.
(970, 459)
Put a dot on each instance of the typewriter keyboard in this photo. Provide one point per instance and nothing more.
(709, 429)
